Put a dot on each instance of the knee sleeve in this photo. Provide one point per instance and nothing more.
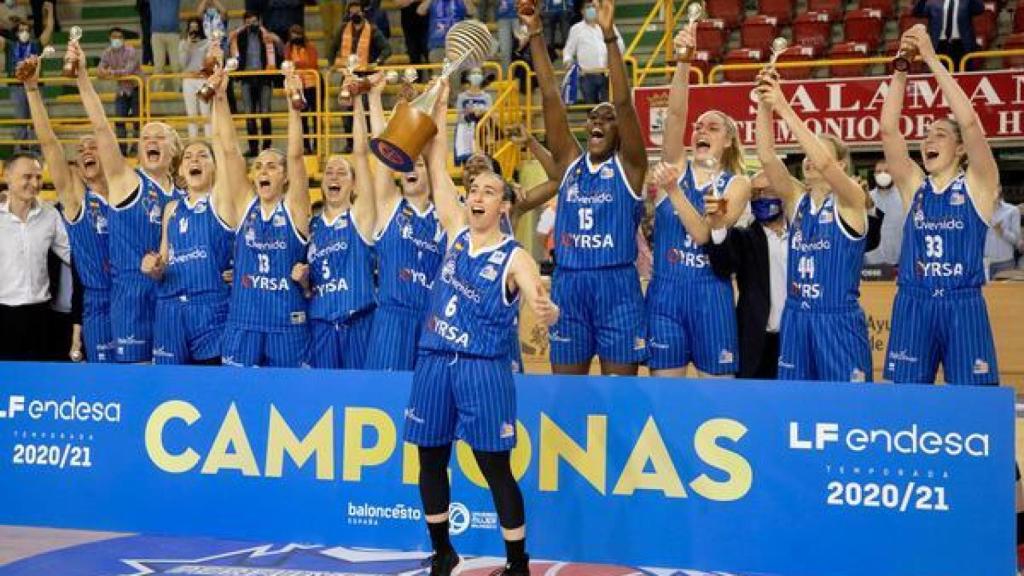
(508, 499)
(434, 489)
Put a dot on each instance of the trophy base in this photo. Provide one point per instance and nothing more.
(901, 64)
(408, 132)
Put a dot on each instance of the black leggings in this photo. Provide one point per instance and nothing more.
(497, 470)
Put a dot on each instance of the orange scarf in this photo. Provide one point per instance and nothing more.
(363, 50)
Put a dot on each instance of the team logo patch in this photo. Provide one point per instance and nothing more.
(639, 343)
(489, 273)
(607, 173)
(825, 217)
(725, 357)
(508, 430)
(980, 366)
(101, 224)
(200, 206)
(857, 375)
(154, 214)
(183, 226)
(407, 231)
(278, 220)
(297, 318)
(497, 257)
(956, 199)
(341, 223)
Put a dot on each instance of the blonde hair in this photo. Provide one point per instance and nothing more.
(841, 150)
(732, 157)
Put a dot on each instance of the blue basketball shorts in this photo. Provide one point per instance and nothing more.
(341, 345)
(132, 311)
(462, 397)
(602, 313)
(948, 326)
(284, 348)
(824, 344)
(393, 338)
(97, 336)
(692, 321)
(189, 330)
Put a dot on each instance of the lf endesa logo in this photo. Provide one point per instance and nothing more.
(369, 438)
(824, 436)
(67, 410)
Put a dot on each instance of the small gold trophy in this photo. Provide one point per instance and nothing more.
(779, 46)
(901, 63)
(70, 65)
(694, 13)
(468, 44)
(297, 99)
(714, 202)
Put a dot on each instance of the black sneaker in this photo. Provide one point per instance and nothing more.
(509, 571)
(443, 563)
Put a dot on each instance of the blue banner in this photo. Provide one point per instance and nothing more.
(758, 477)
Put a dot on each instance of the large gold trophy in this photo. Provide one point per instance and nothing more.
(467, 44)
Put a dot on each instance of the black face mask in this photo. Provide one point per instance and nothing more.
(254, 28)
(356, 19)
(299, 40)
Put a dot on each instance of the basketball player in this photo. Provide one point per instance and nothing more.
(196, 249)
(267, 317)
(136, 198)
(689, 309)
(410, 243)
(939, 314)
(86, 216)
(340, 257)
(600, 204)
(824, 333)
(462, 385)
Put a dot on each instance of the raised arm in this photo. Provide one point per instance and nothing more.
(297, 197)
(849, 192)
(70, 190)
(446, 198)
(562, 143)
(384, 188)
(777, 173)
(233, 170)
(522, 137)
(47, 34)
(121, 179)
(678, 100)
(907, 175)
(365, 206)
(632, 148)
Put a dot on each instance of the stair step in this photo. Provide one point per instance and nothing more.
(123, 11)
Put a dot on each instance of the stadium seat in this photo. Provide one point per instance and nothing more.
(863, 25)
(1014, 42)
(796, 54)
(711, 35)
(729, 10)
(781, 10)
(985, 26)
(848, 50)
(908, 20)
(742, 56)
(1018, 19)
(834, 8)
(886, 7)
(702, 59)
(758, 32)
(813, 29)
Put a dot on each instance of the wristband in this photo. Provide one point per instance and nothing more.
(609, 40)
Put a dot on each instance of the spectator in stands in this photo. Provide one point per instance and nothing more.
(586, 47)
(146, 22)
(507, 18)
(950, 26)
(17, 49)
(470, 105)
(443, 15)
(29, 230)
(360, 37)
(330, 22)
(303, 54)
(193, 48)
(10, 16)
(256, 48)
(166, 27)
(279, 15)
(214, 18)
(1002, 238)
(544, 237)
(415, 28)
(117, 60)
(887, 200)
(557, 16)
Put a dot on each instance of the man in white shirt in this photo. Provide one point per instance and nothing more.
(29, 230)
(585, 46)
(887, 199)
(1002, 238)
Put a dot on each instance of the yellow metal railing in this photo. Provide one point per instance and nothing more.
(813, 64)
(985, 54)
(490, 136)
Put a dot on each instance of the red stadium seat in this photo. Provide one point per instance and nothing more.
(813, 29)
(711, 35)
(863, 25)
(702, 59)
(985, 26)
(886, 7)
(908, 20)
(834, 8)
(1014, 42)
(848, 50)
(796, 54)
(891, 48)
(782, 10)
(1018, 19)
(742, 56)
(729, 10)
(758, 32)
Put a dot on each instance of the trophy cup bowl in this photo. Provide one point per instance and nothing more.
(903, 59)
(410, 76)
(296, 98)
(526, 7)
(391, 77)
(467, 44)
(71, 66)
(779, 46)
(27, 67)
(694, 12)
(713, 203)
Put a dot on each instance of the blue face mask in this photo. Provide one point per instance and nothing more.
(766, 209)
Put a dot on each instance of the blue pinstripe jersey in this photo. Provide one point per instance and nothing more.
(263, 296)
(409, 252)
(340, 268)
(943, 239)
(200, 247)
(597, 216)
(824, 260)
(89, 236)
(135, 229)
(470, 310)
(676, 255)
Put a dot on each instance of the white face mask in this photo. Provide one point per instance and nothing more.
(24, 36)
(590, 13)
(116, 43)
(476, 79)
(883, 179)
